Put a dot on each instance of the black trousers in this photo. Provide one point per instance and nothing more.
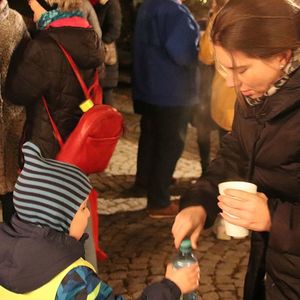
(161, 143)
(8, 208)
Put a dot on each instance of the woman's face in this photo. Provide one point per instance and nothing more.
(251, 76)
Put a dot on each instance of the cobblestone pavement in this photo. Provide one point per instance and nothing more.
(138, 246)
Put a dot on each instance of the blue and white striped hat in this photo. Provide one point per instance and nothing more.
(49, 192)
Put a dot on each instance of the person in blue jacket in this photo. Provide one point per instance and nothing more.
(165, 89)
(43, 249)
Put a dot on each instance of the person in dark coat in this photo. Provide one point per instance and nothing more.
(257, 44)
(165, 90)
(43, 250)
(42, 70)
(110, 20)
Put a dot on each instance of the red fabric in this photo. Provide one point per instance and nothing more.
(93, 141)
(93, 198)
(70, 22)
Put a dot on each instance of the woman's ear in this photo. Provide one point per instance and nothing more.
(283, 58)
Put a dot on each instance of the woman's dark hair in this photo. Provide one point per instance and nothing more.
(258, 28)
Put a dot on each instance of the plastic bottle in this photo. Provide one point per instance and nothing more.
(184, 258)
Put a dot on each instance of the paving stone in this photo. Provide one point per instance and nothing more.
(211, 296)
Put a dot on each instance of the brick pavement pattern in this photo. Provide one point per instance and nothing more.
(138, 246)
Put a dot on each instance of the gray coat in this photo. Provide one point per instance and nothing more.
(12, 32)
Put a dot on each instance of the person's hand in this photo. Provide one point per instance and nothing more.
(187, 278)
(189, 222)
(251, 210)
(37, 9)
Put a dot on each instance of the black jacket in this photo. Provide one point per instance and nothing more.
(42, 70)
(264, 148)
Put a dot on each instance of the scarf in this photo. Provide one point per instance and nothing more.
(4, 10)
(94, 2)
(56, 14)
(291, 66)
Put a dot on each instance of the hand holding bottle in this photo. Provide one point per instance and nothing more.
(187, 278)
(189, 222)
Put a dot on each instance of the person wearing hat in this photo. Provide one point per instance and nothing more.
(42, 254)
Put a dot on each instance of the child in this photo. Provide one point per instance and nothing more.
(41, 256)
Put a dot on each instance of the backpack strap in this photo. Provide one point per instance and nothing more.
(75, 70)
(55, 129)
(86, 91)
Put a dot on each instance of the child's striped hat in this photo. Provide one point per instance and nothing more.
(49, 192)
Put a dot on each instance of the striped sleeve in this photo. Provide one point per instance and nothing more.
(81, 283)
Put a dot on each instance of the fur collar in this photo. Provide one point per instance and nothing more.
(4, 9)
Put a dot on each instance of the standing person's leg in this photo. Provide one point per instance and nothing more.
(145, 150)
(203, 141)
(170, 128)
(8, 208)
(108, 96)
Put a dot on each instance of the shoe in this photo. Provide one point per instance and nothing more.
(166, 212)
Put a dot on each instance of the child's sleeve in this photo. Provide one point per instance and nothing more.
(163, 290)
(81, 283)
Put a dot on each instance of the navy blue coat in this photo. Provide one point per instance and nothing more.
(165, 54)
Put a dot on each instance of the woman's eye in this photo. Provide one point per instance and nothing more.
(241, 71)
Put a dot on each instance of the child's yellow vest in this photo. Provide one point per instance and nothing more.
(48, 291)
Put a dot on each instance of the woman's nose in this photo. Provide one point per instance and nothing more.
(230, 80)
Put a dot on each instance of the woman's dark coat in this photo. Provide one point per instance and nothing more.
(42, 70)
(264, 148)
(110, 19)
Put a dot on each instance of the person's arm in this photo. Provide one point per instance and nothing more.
(163, 290)
(91, 16)
(199, 205)
(81, 283)
(181, 36)
(113, 21)
(175, 283)
(230, 164)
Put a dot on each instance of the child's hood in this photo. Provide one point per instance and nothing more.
(31, 256)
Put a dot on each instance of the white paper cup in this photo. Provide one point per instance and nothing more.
(231, 229)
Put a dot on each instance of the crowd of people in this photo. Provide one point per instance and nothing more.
(44, 247)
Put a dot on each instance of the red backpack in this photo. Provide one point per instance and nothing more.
(92, 142)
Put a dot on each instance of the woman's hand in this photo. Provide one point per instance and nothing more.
(187, 278)
(251, 210)
(189, 222)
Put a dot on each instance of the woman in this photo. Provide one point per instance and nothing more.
(42, 70)
(12, 33)
(257, 44)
